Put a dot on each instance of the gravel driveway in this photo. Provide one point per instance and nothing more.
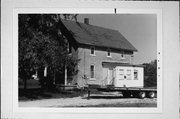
(95, 100)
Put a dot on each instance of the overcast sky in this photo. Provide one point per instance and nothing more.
(138, 29)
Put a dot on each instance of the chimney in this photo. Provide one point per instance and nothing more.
(86, 21)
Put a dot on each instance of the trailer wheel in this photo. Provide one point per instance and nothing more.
(142, 95)
(151, 94)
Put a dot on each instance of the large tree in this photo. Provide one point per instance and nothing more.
(42, 44)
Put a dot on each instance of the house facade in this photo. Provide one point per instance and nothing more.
(97, 64)
(99, 49)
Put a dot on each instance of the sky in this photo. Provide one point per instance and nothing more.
(139, 29)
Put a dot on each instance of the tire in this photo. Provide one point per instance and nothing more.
(142, 95)
(151, 94)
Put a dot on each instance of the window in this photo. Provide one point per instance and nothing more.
(92, 71)
(92, 51)
(108, 52)
(122, 55)
(121, 74)
(121, 71)
(135, 74)
(128, 74)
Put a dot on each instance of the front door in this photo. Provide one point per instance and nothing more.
(107, 76)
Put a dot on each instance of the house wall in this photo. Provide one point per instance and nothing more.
(86, 59)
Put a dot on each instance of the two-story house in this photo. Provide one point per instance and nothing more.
(99, 50)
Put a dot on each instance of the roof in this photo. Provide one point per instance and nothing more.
(98, 36)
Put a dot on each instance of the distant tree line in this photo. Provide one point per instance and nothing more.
(41, 44)
(150, 74)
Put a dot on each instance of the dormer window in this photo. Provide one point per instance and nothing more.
(92, 50)
(108, 52)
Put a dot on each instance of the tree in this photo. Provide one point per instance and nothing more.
(41, 44)
(150, 74)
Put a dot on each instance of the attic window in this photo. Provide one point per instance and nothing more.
(92, 50)
(108, 52)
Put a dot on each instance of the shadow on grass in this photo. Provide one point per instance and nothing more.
(38, 93)
(106, 97)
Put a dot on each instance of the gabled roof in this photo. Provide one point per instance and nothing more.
(98, 36)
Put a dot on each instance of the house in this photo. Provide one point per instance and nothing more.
(99, 49)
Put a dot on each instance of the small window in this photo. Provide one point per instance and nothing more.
(122, 55)
(135, 74)
(121, 71)
(92, 51)
(128, 74)
(121, 74)
(108, 52)
(92, 71)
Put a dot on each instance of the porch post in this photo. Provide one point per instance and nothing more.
(45, 71)
(65, 77)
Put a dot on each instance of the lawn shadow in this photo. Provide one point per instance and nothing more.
(106, 97)
(33, 93)
(38, 94)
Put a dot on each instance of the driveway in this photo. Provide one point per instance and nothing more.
(94, 101)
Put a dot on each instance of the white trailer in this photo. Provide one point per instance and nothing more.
(128, 79)
(128, 76)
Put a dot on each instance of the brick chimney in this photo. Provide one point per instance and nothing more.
(86, 21)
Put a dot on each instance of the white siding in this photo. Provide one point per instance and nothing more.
(124, 81)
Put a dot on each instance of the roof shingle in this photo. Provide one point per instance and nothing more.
(98, 36)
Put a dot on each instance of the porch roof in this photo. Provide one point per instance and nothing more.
(122, 64)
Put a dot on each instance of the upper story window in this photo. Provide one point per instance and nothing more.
(108, 52)
(122, 55)
(92, 50)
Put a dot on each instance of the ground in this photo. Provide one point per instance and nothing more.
(96, 100)
(36, 97)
